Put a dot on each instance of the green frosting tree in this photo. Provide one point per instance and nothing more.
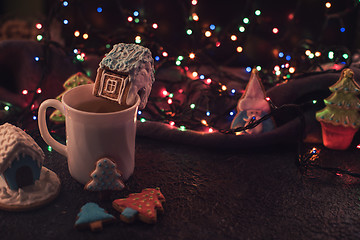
(341, 113)
(75, 80)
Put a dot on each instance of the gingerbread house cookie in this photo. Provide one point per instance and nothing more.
(123, 72)
(24, 182)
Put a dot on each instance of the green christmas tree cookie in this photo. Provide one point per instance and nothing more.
(75, 80)
(340, 119)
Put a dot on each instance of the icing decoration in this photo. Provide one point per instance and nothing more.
(41, 192)
(19, 155)
(252, 106)
(73, 81)
(144, 205)
(340, 119)
(105, 177)
(137, 62)
(92, 216)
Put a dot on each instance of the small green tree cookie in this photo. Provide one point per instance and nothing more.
(75, 80)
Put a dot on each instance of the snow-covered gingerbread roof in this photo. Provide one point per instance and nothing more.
(15, 143)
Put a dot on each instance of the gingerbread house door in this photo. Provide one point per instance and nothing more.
(112, 86)
(24, 176)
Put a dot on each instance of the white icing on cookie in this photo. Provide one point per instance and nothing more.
(14, 143)
(46, 187)
(136, 61)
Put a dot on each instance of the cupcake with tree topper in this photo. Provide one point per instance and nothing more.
(340, 119)
(252, 106)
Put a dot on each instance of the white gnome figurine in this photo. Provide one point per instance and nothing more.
(252, 106)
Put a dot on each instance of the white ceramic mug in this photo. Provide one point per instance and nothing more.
(91, 136)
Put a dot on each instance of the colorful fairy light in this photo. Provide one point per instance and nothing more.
(65, 3)
(192, 106)
(165, 93)
(257, 12)
(192, 55)
(38, 91)
(328, 4)
(37, 59)
(212, 27)
(136, 13)
(242, 29)
(239, 49)
(182, 128)
(142, 120)
(275, 30)
(291, 16)
(38, 26)
(208, 81)
(130, 19)
(25, 92)
(49, 148)
(172, 123)
(246, 20)
(39, 37)
(155, 26)
(85, 36)
(76, 33)
(331, 55)
(207, 34)
(291, 70)
(233, 37)
(195, 17)
(188, 31)
(138, 39)
(169, 101)
(194, 2)
(65, 21)
(99, 9)
(6, 108)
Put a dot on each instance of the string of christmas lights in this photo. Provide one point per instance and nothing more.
(193, 102)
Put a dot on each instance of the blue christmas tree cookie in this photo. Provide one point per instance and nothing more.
(92, 216)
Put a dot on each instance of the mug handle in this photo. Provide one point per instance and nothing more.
(59, 147)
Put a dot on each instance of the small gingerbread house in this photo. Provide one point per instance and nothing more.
(120, 68)
(21, 158)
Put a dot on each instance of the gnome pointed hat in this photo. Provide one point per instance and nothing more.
(254, 96)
